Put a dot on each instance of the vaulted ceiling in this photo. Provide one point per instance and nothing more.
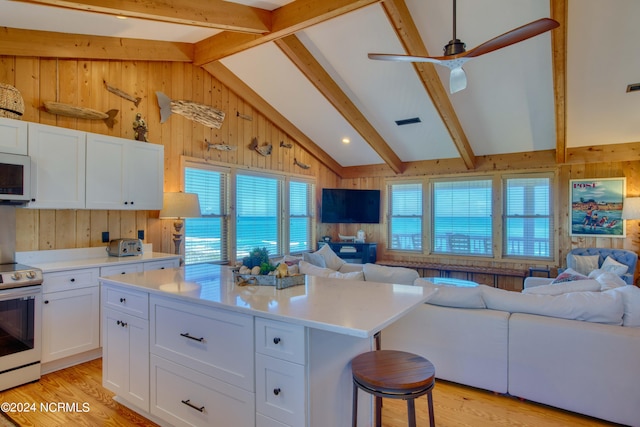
(307, 61)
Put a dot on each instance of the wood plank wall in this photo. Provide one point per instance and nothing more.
(80, 82)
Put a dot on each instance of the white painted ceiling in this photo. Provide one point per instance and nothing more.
(507, 107)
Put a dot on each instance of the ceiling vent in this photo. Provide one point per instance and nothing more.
(408, 121)
(634, 87)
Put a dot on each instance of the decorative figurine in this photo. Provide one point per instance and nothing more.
(140, 129)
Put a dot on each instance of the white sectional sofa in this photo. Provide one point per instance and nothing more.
(531, 347)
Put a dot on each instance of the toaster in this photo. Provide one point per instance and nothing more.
(125, 247)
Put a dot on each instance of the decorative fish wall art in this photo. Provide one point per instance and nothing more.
(121, 93)
(204, 114)
(302, 165)
(221, 147)
(244, 116)
(67, 110)
(286, 145)
(265, 150)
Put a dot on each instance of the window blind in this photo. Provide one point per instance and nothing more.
(405, 216)
(300, 216)
(528, 224)
(462, 221)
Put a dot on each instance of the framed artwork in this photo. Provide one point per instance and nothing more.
(596, 207)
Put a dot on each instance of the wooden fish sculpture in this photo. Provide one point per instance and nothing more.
(122, 94)
(300, 164)
(81, 112)
(265, 150)
(200, 113)
(221, 147)
(286, 144)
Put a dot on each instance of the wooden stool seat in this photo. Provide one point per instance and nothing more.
(396, 375)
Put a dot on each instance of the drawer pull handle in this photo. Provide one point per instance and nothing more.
(123, 300)
(276, 391)
(121, 323)
(191, 405)
(276, 340)
(72, 280)
(186, 335)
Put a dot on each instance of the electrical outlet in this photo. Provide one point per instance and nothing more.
(105, 237)
(141, 234)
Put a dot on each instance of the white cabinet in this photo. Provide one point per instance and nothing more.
(125, 331)
(162, 264)
(123, 174)
(70, 314)
(57, 167)
(13, 136)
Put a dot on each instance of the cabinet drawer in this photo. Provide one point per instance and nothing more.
(184, 397)
(112, 270)
(281, 340)
(126, 300)
(280, 390)
(215, 342)
(161, 265)
(71, 279)
(262, 421)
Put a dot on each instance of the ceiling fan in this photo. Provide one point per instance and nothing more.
(455, 54)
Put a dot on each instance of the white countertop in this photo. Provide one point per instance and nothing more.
(73, 259)
(343, 306)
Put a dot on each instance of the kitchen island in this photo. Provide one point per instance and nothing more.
(187, 346)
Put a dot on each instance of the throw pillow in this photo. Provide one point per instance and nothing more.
(313, 270)
(568, 275)
(353, 275)
(631, 300)
(386, 274)
(607, 279)
(315, 259)
(583, 264)
(454, 296)
(331, 260)
(588, 285)
(613, 266)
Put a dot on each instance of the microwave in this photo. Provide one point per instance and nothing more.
(15, 179)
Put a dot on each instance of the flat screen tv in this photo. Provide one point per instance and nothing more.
(350, 206)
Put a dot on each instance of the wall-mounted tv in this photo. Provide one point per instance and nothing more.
(350, 206)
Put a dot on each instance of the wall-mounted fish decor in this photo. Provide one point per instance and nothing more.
(122, 94)
(221, 147)
(265, 150)
(302, 165)
(244, 116)
(81, 112)
(286, 144)
(200, 113)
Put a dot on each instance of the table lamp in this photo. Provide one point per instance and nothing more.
(631, 208)
(177, 206)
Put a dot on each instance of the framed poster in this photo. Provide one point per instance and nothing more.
(596, 207)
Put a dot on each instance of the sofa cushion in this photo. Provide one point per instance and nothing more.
(313, 270)
(607, 279)
(597, 307)
(331, 260)
(315, 259)
(386, 274)
(631, 301)
(613, 266)
(583, 264)
(568, 275)
(454, 296)
(587, 285)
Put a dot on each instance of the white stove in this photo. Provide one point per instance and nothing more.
(14, 275)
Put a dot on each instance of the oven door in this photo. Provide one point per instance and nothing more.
(20, 327)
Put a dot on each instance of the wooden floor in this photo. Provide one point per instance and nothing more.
(455, 405)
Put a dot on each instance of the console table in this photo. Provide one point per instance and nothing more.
(359, 253)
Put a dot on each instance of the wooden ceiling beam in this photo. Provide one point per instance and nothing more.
(318, 76)
(285, 21)
(230, 80)
(560, 12)
(46, 44)
(408, 34)
(218, 14)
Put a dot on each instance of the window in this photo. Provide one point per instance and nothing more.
(528, 222)
(258, 210)
(300, 216)
(405, 216)
(462, 217)
(206, 237)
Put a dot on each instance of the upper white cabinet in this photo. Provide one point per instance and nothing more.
(13, 136)
(57, 167)
(123, 174)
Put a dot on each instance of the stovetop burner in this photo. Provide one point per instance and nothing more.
(14, 275)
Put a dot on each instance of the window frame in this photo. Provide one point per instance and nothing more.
(422, 217)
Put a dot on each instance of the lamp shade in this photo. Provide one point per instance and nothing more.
(180, 205)
(631, 208)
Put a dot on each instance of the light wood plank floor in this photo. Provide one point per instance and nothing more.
(455, 405)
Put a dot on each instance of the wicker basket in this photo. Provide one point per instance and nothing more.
(11, 102)
(269, 280)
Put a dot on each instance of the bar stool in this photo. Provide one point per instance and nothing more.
(396, 375)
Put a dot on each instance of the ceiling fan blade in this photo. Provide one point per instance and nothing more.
(402, 58)
(516, 35)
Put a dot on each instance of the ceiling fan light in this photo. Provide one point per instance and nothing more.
(457, 80)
